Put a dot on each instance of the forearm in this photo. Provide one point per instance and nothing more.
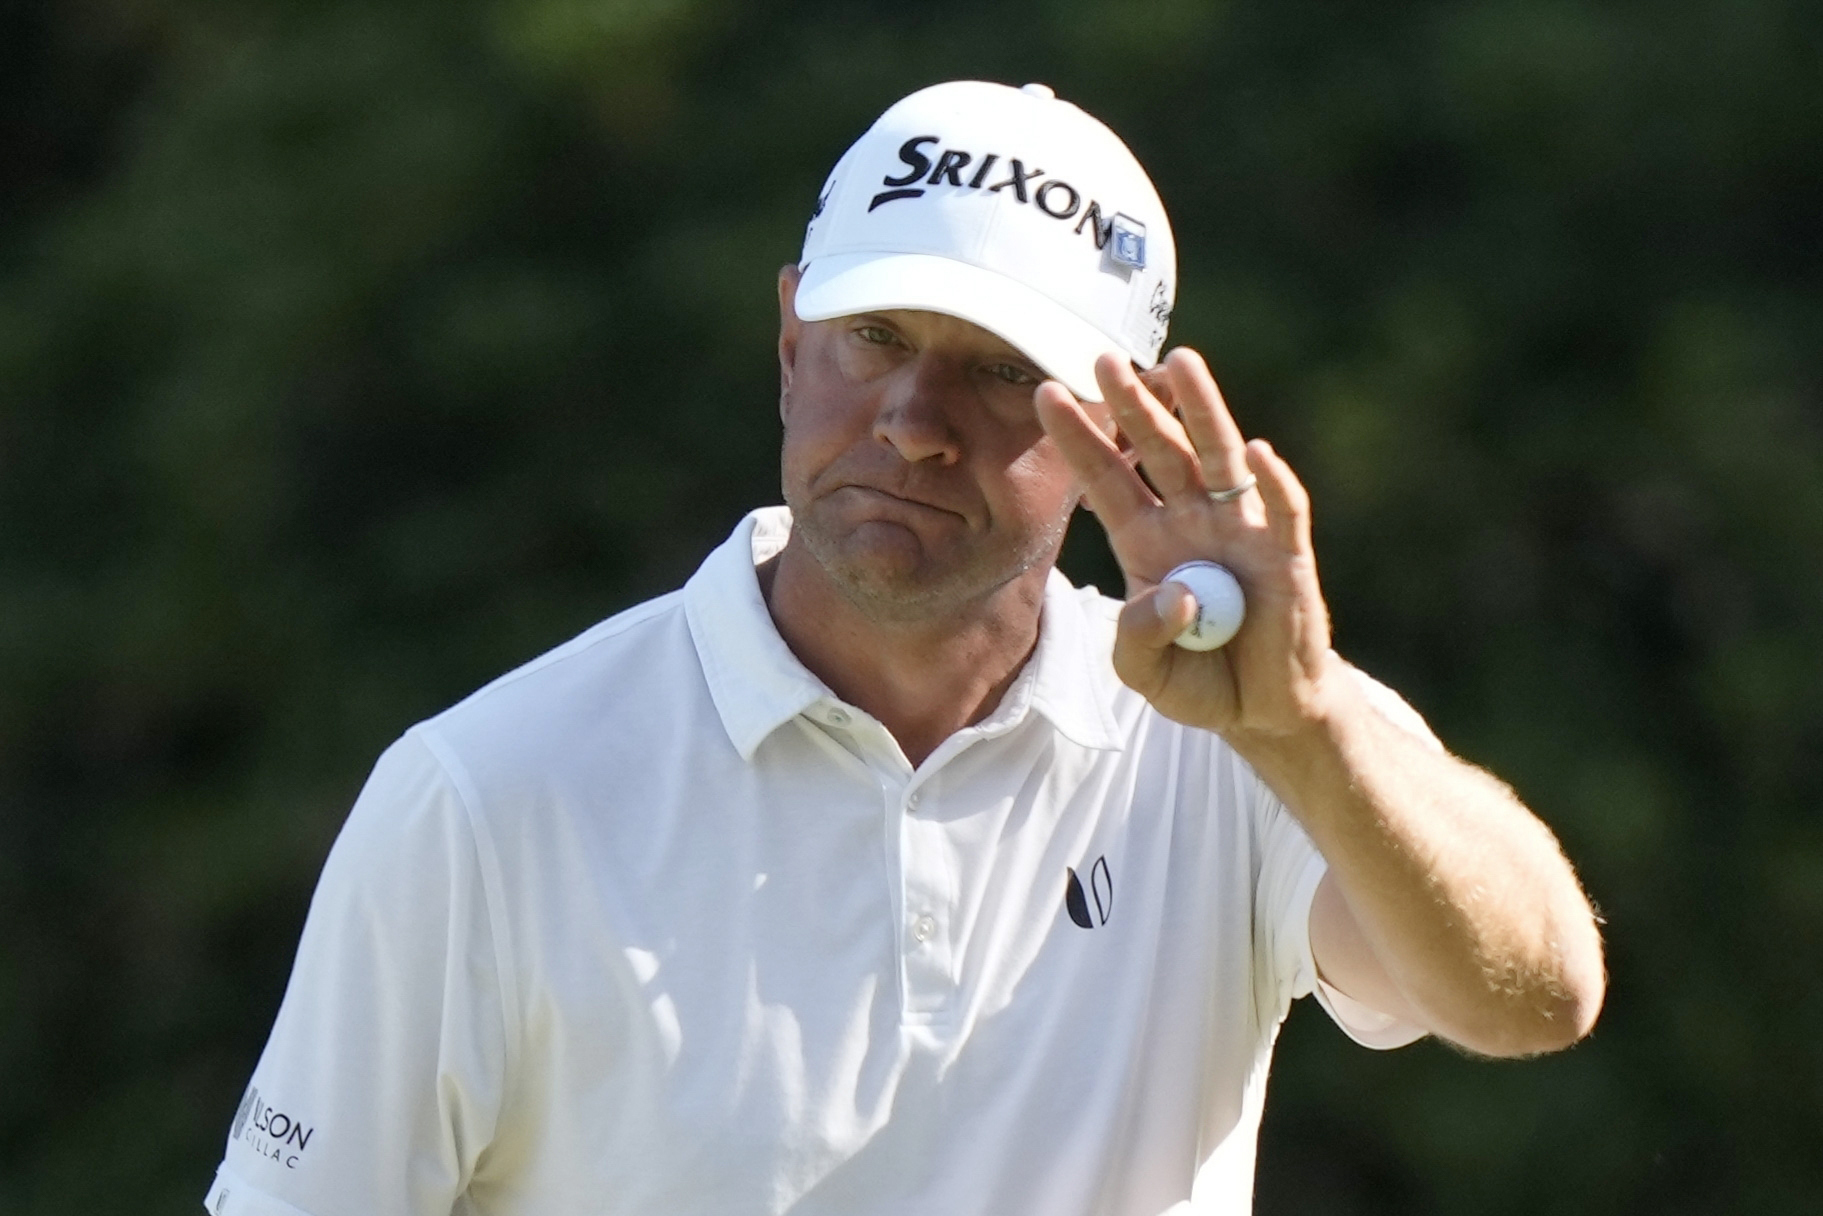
(1468, 909)
(1462, 894)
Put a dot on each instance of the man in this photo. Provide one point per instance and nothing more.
(878, 870)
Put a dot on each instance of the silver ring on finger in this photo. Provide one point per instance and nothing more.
(1233, 492)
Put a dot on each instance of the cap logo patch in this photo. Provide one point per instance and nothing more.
(1053, 196)
(1129, 236)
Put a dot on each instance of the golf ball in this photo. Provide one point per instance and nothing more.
(1220, 606)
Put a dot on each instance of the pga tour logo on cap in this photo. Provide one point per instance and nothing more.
(1005, 207)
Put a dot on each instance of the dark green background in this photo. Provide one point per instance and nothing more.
(351, 353)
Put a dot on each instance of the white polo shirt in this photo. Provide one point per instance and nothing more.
(657, 925)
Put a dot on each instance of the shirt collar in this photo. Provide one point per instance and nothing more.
(756, 682)
(758, 685)
(1072, 670)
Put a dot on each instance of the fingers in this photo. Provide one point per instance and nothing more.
(1177, 421)
(1180, 458)
(1114, 491)
(1211, 428)
(1158, 382)
(1287, 501)
(1164, 448)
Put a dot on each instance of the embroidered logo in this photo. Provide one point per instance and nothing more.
(271, 1133)
(1129, 236)
(1159, 309)
(1101, 890)
(1055, 197)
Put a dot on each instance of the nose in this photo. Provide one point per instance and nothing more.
(915, 411)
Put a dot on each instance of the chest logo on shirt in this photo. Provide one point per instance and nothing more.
(1101, 890)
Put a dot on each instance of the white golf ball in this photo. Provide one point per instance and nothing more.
(1220, 606)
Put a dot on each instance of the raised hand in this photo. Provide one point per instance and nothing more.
(1272, 677)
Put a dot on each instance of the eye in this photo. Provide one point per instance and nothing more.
(1012, 373)
(877, 335)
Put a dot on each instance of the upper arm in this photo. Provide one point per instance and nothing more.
(1306, 934)
(1346, 960)
(381, 1080)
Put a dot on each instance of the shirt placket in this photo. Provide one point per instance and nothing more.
(927, 939)
(928, 885)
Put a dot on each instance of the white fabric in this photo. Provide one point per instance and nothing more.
(657, 925)
(925, 211)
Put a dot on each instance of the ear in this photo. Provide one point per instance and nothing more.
(790, 328)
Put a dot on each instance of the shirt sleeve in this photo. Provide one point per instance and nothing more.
(1290, 869)
(382, 1079)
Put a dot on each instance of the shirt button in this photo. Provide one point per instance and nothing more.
(836, 717)
(911, 803)
(923, 928)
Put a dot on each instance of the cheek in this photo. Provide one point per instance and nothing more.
(1040, 485)
(802, 451)
(818, 429)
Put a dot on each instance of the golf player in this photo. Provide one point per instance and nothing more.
(878, 869)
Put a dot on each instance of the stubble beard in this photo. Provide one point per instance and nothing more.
(924, 595)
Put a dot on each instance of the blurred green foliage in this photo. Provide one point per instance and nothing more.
(352, 353)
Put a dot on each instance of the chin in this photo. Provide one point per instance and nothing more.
(891, 591)
(893, 572)
(886, 587)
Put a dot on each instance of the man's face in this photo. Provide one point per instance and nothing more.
(918, 476)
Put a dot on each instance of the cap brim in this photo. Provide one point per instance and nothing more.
(1061, 343)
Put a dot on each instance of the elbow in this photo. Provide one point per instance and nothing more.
(1561, 1012)
(1568, 1017)
(1548, 1025)
(1585, 986)
(1582, 987)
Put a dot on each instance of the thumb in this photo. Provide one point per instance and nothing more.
(1154, 618)
(1149, 623)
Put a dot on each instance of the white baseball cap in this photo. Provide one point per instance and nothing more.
(1005, 207)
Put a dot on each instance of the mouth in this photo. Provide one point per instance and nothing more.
(893, 502)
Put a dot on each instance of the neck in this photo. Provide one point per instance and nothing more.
(923, 680)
